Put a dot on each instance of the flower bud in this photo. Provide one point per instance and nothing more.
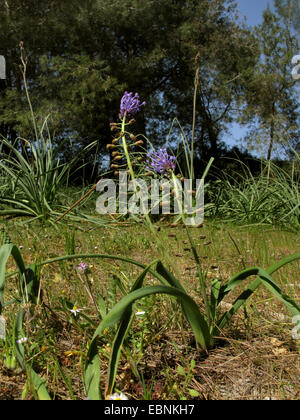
(118, 157)
(114, 141)
(113, 166)
(164, 203)
(110, 146)
(138, 143)
(164, 186)
(132, 137)
(115, 153)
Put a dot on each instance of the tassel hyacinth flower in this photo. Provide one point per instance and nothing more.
(160, 161)
(130, 104)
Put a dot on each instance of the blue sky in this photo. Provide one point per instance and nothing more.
(252, 10)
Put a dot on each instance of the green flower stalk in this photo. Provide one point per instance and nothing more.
(130, 105)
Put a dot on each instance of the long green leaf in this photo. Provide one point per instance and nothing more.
(5, 252)
(193, 314)
(271, 285)
(19, 333)
(121, 334)
(214, 296)
(38, 384)
(171, 279)
(166, 274)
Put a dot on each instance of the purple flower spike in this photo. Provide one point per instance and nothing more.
(130, 104)
(160, 161)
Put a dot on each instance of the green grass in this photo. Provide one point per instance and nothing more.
(159, 359)
(68, 330)
(271, 197)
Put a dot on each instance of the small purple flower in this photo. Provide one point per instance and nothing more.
(130, 104)
(160, 161)
(82, 266)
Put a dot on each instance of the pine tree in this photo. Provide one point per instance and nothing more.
(272, 103)
(83, 54)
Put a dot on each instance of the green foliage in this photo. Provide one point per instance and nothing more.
(290, 10)
(120, 312)
(97, 50)
(28, 293)
(271, 97)
(81, 58)
(204, 328)
(34, 185)
(270, 197)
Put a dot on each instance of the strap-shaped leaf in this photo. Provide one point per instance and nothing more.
(38, 384)
(194, 317)
(167, 275)
(5, 252)
(214, 296)
(18, 334)
(264, 278)
(121, 334)
(171, 279)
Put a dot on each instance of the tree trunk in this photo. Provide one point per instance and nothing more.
(271, 134)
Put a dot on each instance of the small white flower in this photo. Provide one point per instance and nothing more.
(76, 310)
(22, 340)
(117, 396)
(140, 313)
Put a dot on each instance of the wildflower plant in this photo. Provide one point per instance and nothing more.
(28, 294)
(117, 396)
(130, 157)
(75, 311)
(160, 161)
(130, 105)
(205, 326)
(36, 173)
(82, 266)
